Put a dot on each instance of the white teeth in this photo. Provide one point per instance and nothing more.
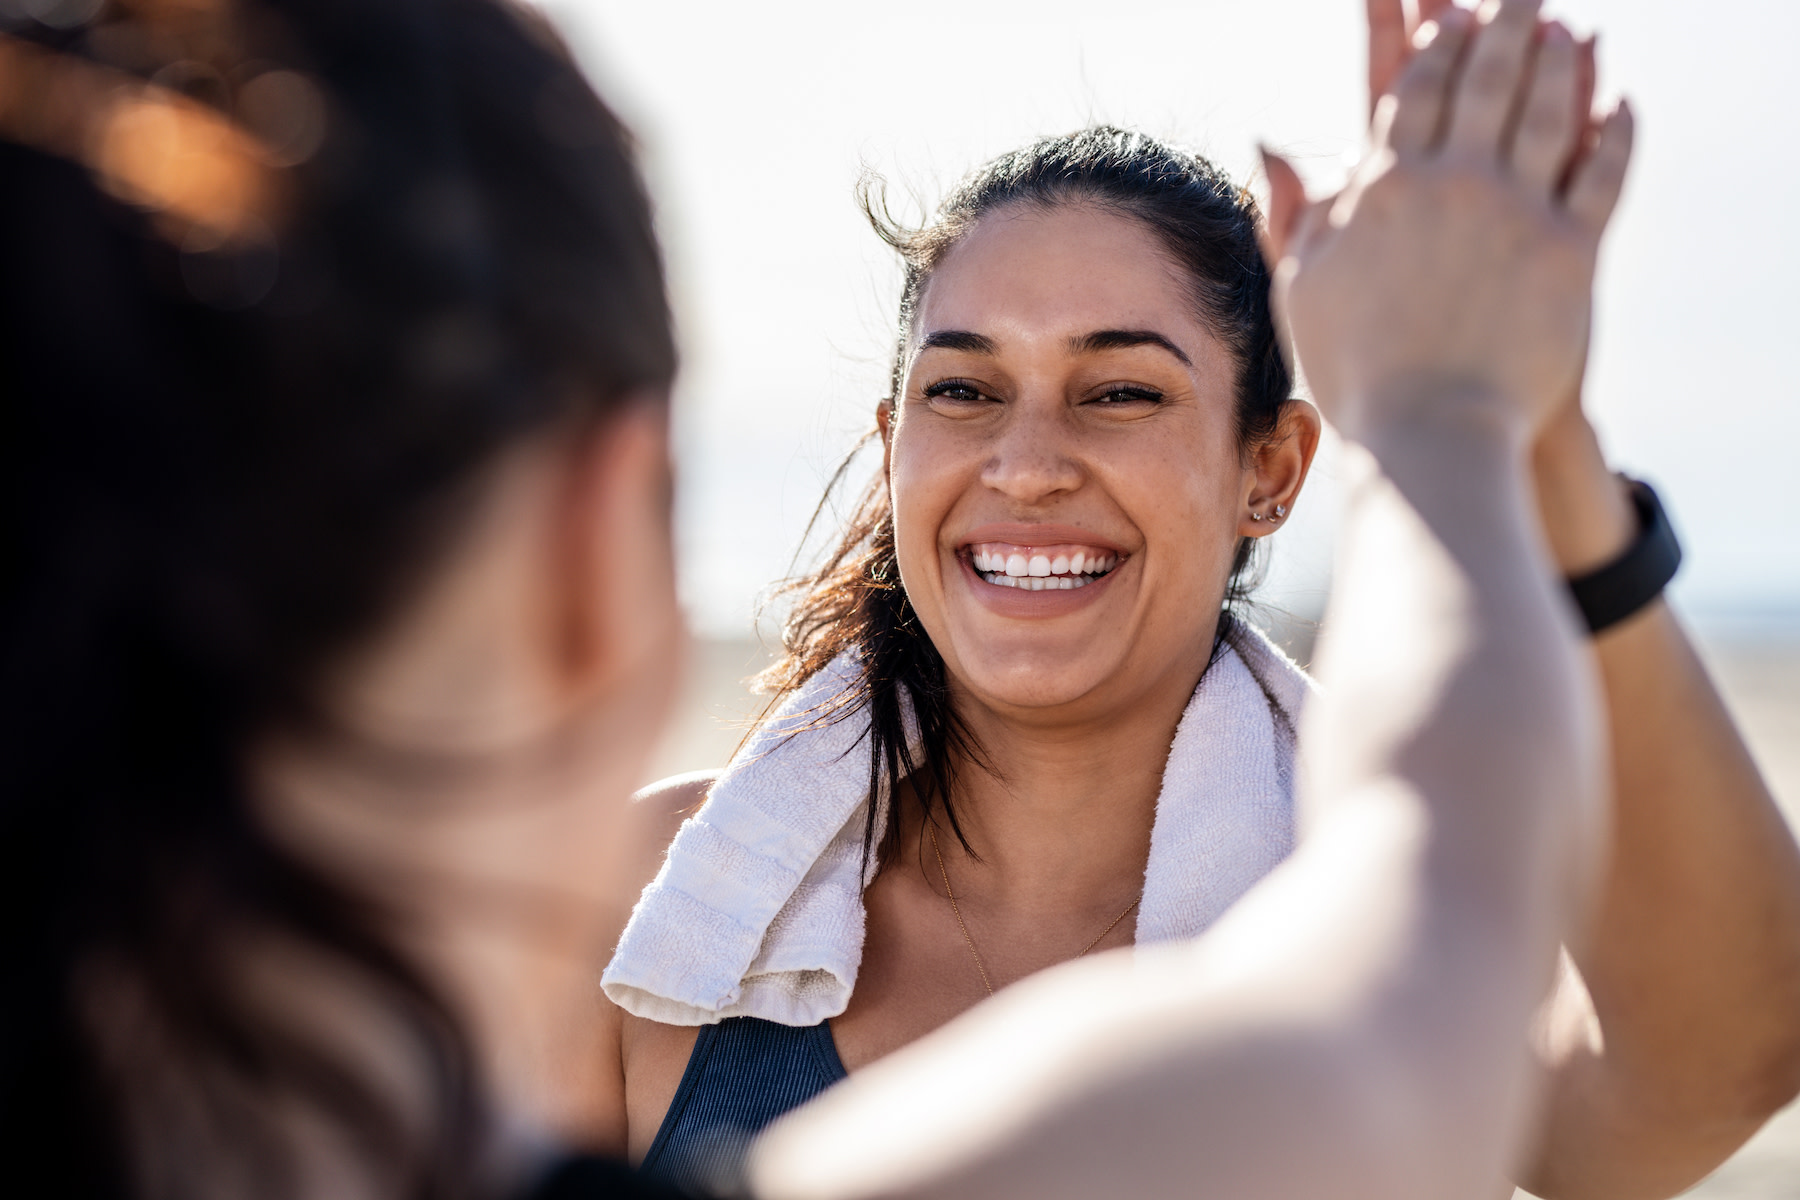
(1037, 583)
(1038, 572)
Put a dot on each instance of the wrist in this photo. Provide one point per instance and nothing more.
(1421, 419)
(1440, 425)
(1444, 464)
(1616, 591)
(1584, 509)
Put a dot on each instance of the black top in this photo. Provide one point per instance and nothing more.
(744, 1073)
(584, 1177)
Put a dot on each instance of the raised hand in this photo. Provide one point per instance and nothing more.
(1459, 260)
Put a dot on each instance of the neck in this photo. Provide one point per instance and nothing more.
(1059, 815)
(468, 880)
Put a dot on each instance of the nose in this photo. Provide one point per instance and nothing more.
(1032, 458)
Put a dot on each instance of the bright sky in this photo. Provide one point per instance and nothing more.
(756, 120)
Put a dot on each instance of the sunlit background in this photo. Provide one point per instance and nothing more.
(757, 120)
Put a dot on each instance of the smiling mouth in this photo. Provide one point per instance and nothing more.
(1041, 568)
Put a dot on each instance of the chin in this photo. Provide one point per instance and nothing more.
(1033, 676)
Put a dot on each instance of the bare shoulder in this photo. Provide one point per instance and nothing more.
(679, 792)
(657, 812)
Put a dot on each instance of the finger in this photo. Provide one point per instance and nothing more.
(1421, 94)
(1587, 77)
(1431, 10)
(1594, 191)
(1587, 124)
(1546, 134)
(1388, 48)
(1492, 80)
(1287, 200)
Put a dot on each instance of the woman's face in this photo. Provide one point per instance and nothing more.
(1068, 489)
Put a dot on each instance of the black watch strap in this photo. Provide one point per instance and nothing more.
(1610, 594)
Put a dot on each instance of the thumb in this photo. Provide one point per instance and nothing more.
(1287, 201)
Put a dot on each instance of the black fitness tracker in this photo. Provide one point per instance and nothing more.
(1611, 593)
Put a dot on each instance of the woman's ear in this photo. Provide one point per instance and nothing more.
(555, 595)
(1278, 468)
(613, 567)
(884, 423)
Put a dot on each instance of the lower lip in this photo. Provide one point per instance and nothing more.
(1021, 602)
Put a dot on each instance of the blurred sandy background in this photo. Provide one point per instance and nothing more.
(1758, 669)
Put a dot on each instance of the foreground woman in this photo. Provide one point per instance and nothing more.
(332, 392)
(1091, 424)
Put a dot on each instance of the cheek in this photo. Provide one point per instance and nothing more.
(926, 474)
(1182, 490)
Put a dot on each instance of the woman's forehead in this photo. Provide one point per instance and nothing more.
(1056, 275)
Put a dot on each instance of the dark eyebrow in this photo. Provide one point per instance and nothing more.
(959, 339)
(1120, 339)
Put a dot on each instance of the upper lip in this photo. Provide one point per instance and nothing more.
(1037, 535)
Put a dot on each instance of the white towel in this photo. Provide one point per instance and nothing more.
(758, 910)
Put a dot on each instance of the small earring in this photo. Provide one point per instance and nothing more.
(1256, 516)
(1280, 510)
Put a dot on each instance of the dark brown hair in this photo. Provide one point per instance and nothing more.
(229, 444)
(855, 602)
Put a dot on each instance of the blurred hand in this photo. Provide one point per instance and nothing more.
(1392, 36)
(1459, 259)
(1592, 520)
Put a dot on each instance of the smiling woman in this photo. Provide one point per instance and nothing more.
(1091, 425)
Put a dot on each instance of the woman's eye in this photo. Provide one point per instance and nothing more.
(956, 391)
(1128, 395)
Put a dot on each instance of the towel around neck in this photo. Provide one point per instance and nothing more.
(758, 911)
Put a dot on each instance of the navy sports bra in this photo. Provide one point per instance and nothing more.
(744, 1072)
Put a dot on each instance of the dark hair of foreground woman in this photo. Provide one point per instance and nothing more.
(240, 416)
(855, 599)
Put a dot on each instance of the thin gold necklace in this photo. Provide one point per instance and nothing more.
(970, 942)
